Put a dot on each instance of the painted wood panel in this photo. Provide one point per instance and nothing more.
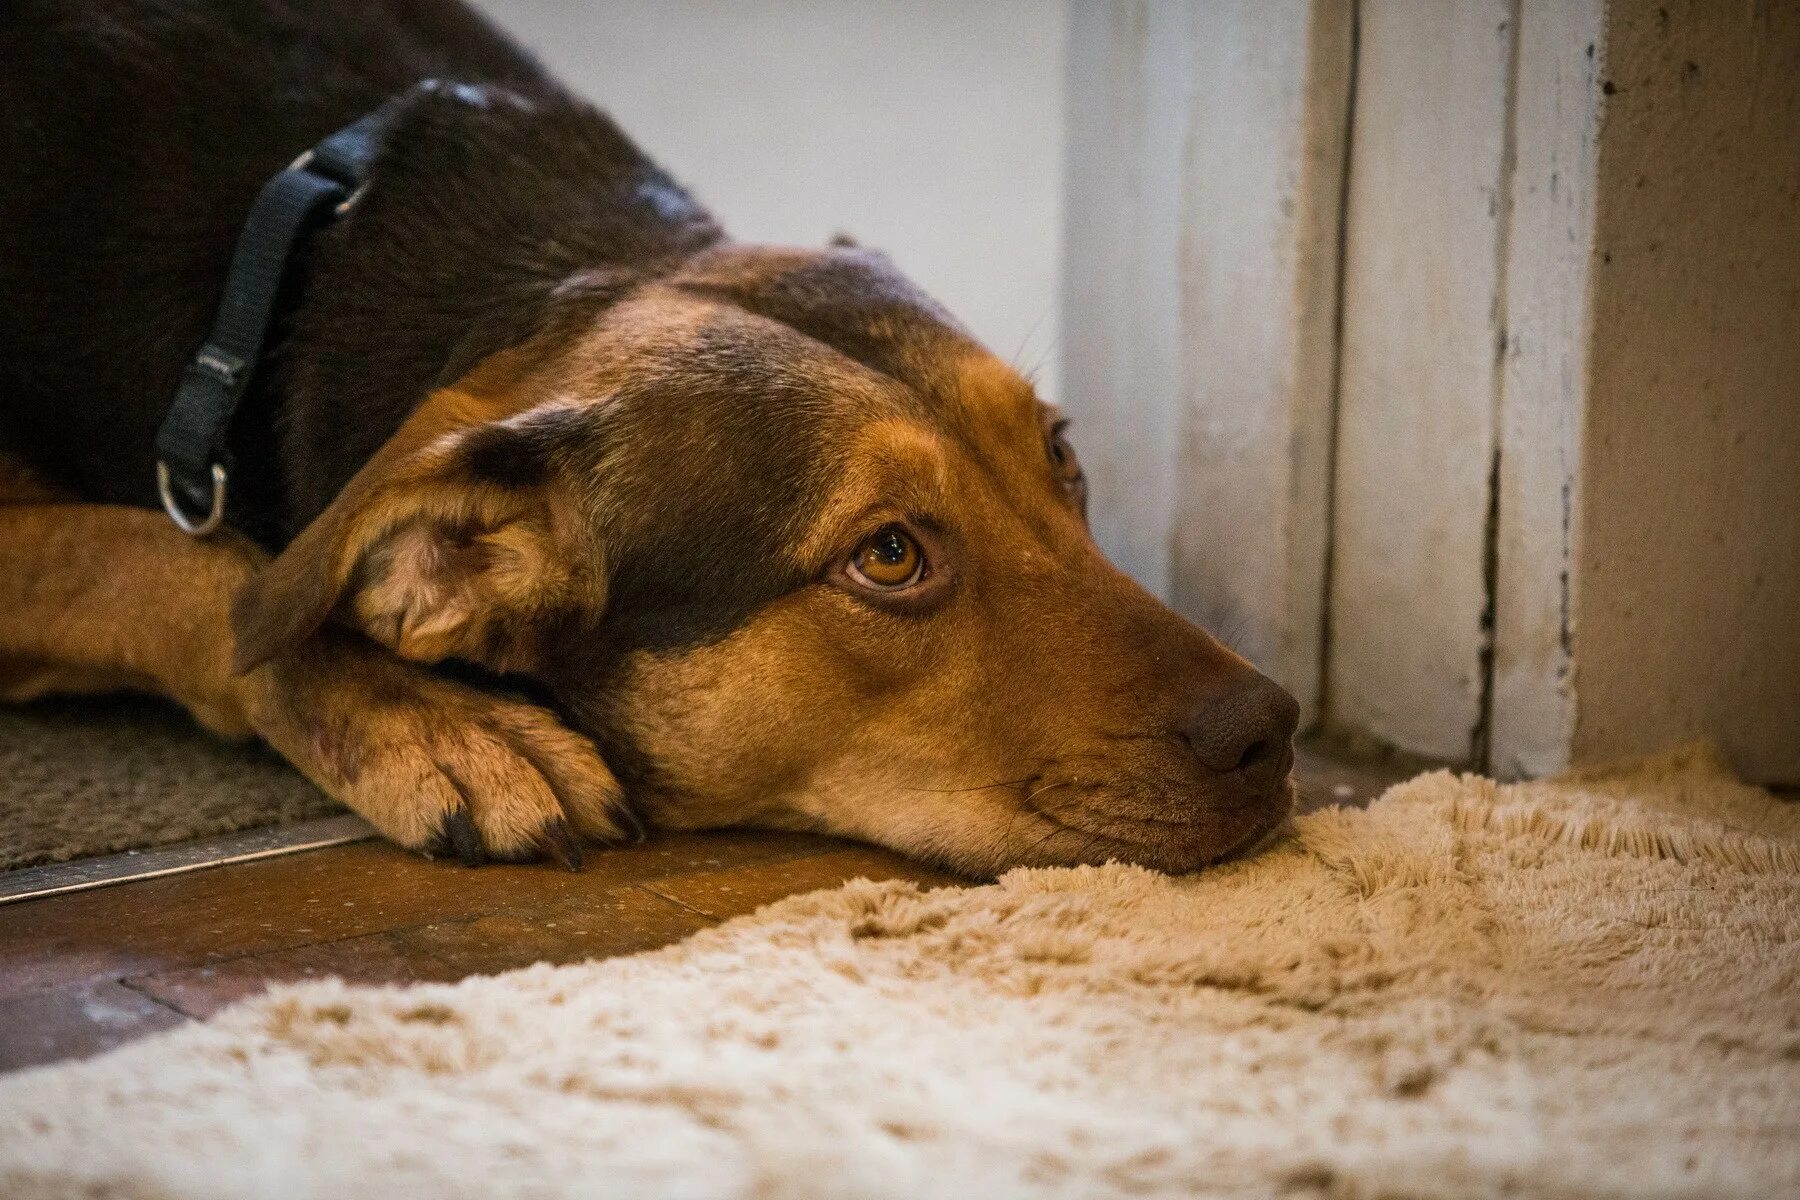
(1423, 294)
(1544, 385)
(1264, 177)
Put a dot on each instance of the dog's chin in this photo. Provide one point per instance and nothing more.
(1278, 823)
(1183, 856)
(1179, 846)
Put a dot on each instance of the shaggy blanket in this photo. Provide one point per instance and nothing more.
(1587, 987)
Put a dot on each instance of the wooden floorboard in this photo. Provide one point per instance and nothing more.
(75, 1021)
(621, 920)
(84, 972)
(320, 896)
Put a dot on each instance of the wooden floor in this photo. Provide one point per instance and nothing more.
(84, 972)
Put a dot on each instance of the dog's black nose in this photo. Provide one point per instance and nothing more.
(1246, 733)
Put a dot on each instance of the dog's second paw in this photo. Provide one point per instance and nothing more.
(436, 765)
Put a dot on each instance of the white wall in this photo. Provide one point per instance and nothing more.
(932, 129)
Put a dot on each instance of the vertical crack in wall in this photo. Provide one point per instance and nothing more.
(1337, 368)
(1482, 735)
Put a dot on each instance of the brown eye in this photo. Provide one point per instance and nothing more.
(1062, 456)
(888, 561)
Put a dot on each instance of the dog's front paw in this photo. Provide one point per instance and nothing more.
(435, 765)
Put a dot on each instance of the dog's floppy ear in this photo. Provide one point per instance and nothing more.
(464, 547)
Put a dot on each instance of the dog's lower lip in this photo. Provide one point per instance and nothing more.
(1262, 835)
(1257, 841)
(1151, 854)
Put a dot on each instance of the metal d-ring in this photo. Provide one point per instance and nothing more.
(172, 506)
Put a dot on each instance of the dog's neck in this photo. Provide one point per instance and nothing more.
(477, 218)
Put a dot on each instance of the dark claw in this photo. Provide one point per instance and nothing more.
(630, 819)
(558, 841)
(459, 827)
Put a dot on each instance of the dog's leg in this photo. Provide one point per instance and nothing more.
(95, 596)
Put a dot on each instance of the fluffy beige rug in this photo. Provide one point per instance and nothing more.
(1583, 988)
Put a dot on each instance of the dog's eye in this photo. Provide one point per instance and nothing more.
(888, 561)
(1068, 467)
(1062, 455)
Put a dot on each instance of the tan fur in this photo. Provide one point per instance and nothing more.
(423, 598)
(91, 595)
(429, 601)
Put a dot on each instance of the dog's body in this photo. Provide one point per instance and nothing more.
(138, 133)
(765, 525)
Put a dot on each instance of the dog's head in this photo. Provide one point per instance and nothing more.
(799, 553)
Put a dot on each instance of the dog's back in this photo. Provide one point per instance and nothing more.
(135, 134)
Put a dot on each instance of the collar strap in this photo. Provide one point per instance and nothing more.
(193, 458)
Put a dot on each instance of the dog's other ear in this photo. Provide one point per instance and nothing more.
(462, 548)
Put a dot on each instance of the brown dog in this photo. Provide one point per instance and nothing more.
(764, 526)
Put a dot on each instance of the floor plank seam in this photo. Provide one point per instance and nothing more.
(131, 985)
(683, 905)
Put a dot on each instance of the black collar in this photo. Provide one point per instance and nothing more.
(193, 455)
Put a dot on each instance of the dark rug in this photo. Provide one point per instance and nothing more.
(98, 776)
